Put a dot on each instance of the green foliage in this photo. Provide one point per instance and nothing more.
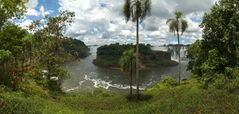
(75, 47)
(127, 64)
(169, 81)
(110, 55)
(31, 88)
(101, 92)
(194, 51)
(55, 77)
(227, 80)
(12, 47)
(221, 34)
(136, 9)
(166, 82)
(127, 59)
(11, 37)
(10, 9)
(217, 53)
(29, 60)
(48, 50)
(4, 54)
(214, 62)
(186, 98)
(177, 25)
(19, 103)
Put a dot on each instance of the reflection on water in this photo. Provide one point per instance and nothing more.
(87, 76)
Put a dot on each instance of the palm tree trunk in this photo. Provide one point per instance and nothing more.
(131, 76)
(137, 55)
(179, 60)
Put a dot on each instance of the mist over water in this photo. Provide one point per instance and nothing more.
(84, 75)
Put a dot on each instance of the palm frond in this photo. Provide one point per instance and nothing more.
(173, 24)
(147, 5)
(127, 10)
(136, 9)
(177, 24)
(184, 25)
(169, 21)
(146, 9)
(173, 27)
(178, 14)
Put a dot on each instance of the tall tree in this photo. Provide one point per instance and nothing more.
(178, 25)
(48, 48)
(215, 59)
(127, 62)
(136, 10)
(13, 43)
(10, 9)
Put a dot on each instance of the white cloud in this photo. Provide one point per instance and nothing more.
(25, 23)
(43, 12)
(102, 22)
(126, 33)
(31, 5)
(32, 12)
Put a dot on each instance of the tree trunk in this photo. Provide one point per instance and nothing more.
(137, 56)
(131, 77)
(179, 60)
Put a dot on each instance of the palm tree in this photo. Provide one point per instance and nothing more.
(178, 25)
(127, 62)
(136, 10)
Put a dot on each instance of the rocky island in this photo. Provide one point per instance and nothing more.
(109, 56)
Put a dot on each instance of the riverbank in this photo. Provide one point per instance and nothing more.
(146, 64)
(165, 98)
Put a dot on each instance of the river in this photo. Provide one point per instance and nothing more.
(86, 76)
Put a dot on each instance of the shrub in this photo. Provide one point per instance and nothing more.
(165, 82)
(31, 88)
(228, 80)
(101, 92)
(169, 81)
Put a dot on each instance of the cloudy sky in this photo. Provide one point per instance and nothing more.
(102, 21)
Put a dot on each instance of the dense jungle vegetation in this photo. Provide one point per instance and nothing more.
(31, 74)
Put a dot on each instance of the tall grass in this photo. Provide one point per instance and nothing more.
(167, 98)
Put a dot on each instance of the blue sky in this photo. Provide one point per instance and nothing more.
(102, 22)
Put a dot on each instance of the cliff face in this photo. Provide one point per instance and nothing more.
(157, 55)
(109, 55)
(157, 58)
